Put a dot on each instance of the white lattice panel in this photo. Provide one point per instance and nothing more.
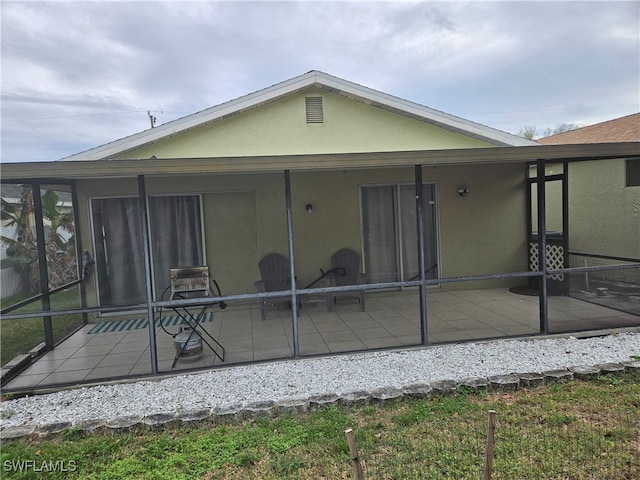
(534, 258)
(555, 259)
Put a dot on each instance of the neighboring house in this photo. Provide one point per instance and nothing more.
(604, 197)
(305, 168)
(623, 129)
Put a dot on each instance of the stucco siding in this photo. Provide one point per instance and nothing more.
(244, 218)
(280, 128)
(604, 214)
(484, 231)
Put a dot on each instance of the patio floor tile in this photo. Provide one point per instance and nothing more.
(390, 320)
(106, 372)
(345, 346)
(79, 363)
(129, 358)
(451, 336)
(382, 342)
(66, 376)
(272, 353)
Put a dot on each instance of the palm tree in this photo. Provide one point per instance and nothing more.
(22, 253)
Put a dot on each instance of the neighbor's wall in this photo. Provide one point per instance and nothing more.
(604, 215)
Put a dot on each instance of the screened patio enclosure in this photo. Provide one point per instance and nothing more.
(400, 211)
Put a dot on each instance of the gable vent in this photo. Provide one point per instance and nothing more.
(315, 113)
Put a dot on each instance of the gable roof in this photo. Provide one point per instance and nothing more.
(623, 129)
(316, 79)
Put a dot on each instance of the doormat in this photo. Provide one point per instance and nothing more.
(137, 323)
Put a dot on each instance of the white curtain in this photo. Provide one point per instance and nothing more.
(379, 230)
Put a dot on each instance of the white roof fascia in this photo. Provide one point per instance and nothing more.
(191, 121)
(273, 92)
(437, 117)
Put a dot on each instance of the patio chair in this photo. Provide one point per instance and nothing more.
(275, 276)
(347, 261)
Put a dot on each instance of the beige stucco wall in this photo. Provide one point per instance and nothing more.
(604, 215)
(280, 128)
(245, 218)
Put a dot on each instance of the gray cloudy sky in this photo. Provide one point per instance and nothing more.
(76, 75)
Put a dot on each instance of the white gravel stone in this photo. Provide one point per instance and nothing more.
(279, 381)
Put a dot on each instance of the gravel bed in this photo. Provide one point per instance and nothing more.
(296, 381)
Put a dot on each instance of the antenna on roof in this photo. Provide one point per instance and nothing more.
(152, 119)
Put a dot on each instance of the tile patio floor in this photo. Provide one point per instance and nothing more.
(391, 320)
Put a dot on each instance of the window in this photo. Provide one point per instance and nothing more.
(632, 172)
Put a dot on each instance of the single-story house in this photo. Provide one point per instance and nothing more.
(431, 203)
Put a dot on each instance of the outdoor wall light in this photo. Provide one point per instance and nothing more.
(463, 191)
(309, 208)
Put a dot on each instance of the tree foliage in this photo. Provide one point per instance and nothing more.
(22, 250)
(530, 131)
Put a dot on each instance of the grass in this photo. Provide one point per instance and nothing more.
(577, 430)
(19, 336)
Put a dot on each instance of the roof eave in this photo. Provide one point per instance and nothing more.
(194, 120)
(24, 172)
(435, 117)
(313, 78)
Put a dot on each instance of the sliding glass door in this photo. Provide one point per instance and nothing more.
(390, 232)
(175, 229)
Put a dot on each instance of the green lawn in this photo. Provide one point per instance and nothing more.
(19, 336)
(578, 430)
